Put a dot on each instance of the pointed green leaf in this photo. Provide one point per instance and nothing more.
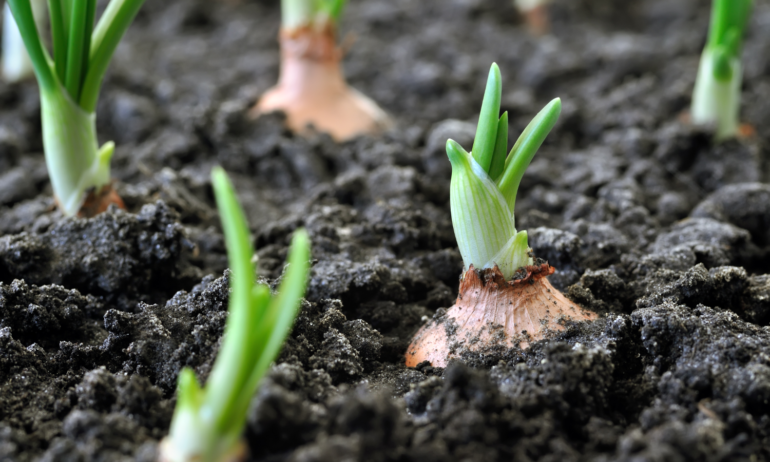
(25, 20)
(486, 133)
(231, 369)
(525, 149)
(280, 315)
(189, 393)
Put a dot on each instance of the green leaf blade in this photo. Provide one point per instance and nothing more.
(729, 18)
(525, 149)
(486, 132)
(231, 369)
(281, 313)
(717, 92)
(59, 38)
(25, 20)
(106, 37)
(76, 54)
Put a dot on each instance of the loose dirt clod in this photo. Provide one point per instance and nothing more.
(492, 312)
(311, 89)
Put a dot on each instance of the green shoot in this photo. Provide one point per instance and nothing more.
(485, 183)
(70, 82)
(717, 93)
(301, 13)
(208, 422)
(16, 64)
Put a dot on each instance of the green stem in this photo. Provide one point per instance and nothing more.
(76, 52)
(75, 163)
(88, 38)
(717, 101)
(59, 38)
(728, 16)
(297, 13)
(717, 92)
(281, 314)
(231, 369)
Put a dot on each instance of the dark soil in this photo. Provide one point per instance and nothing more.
(648, 223)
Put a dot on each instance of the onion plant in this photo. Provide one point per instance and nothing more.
(311, 88)
(70, 81)
(16, 65)
(505, 299)
(536, 14)
(485, 182)
(208, 422)
(717, 94)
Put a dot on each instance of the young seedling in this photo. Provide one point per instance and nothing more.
(505, 298)
(69, 88)
(16, 65)
(716, 98)
(311, 88)
(535, 12)
(208, 422)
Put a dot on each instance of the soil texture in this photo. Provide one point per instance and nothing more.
(649, 224)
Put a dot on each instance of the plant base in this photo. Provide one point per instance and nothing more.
(492, 314)
(312, 90)
(167, 453)
(99, 200)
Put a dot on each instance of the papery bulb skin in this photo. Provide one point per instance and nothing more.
(493, 314)
(312, 90)
(98, 201)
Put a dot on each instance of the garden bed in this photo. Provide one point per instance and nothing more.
(648, 223)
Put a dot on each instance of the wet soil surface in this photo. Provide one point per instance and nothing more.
(648, 223)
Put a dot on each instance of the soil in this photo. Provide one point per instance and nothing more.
(649, 224)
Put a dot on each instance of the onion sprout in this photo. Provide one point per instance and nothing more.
(485, 183)
(208, 422)
(717, 95)
(70, 82)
